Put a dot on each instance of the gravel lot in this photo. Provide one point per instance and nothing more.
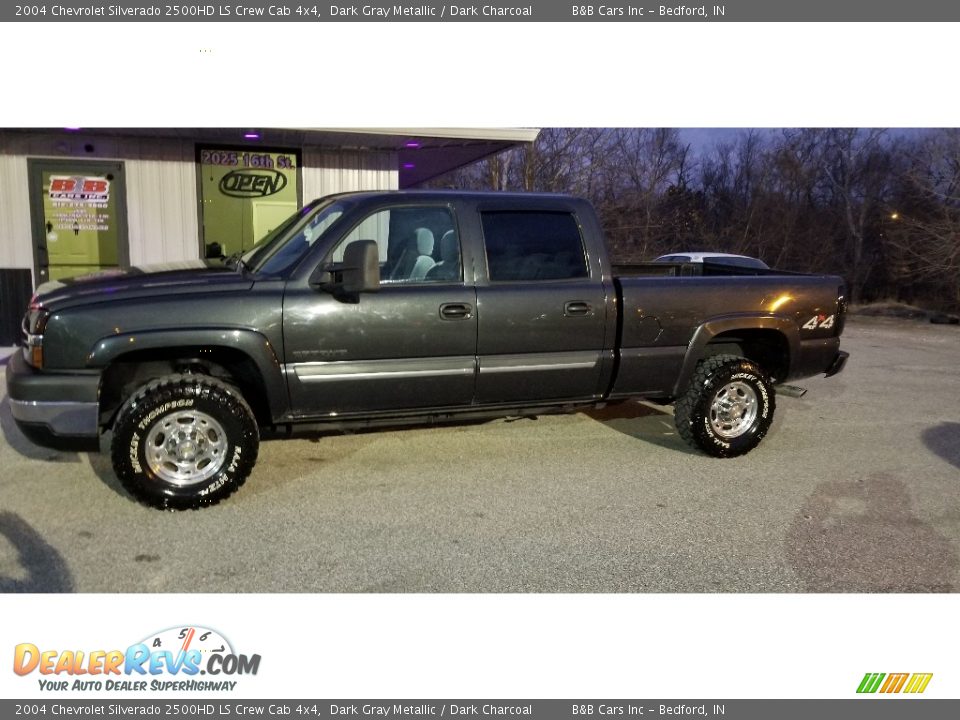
(855, 489)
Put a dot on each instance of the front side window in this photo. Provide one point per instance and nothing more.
(417, 244)
(525, 246)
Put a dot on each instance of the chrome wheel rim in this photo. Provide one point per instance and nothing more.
(186, 447)
(733, 410)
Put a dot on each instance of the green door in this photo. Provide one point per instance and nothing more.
(78, 209)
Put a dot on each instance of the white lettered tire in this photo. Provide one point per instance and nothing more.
(727, 408)
(184, 441)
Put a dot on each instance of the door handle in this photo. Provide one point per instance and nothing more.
(456, 311)
(577, 308)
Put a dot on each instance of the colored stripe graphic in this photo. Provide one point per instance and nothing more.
(895, 683)
(870, 682)
(918, 683)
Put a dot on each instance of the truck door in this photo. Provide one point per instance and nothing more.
(542, 310)
(410, 345)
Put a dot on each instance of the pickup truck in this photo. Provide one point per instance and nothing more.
(380, 308)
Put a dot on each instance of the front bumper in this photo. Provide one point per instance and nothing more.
(53, 409)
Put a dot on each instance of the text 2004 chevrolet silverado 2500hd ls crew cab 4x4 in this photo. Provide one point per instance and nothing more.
(379, 308)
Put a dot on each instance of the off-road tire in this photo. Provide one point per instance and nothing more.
(728, 407)
(165, 425)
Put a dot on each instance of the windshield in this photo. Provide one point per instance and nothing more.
(283, 247)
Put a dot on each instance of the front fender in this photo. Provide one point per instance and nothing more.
(249, 342)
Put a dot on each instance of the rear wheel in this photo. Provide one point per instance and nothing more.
(184, 441)
(728, 407)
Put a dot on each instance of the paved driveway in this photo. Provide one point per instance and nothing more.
(856, 488)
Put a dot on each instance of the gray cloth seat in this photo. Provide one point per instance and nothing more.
(449, 266)
(421, 239)
(425, 261)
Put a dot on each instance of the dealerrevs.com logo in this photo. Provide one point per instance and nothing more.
(178, 659)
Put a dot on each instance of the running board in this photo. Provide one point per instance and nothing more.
(791, 391)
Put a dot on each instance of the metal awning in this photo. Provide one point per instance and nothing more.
(423, 153)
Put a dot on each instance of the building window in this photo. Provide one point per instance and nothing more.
(244, 194)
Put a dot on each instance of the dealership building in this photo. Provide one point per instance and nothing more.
(78, 200)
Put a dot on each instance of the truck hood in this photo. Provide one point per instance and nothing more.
(191, 276)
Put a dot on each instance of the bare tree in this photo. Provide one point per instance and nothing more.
(880, 208)
(857, 165)
(924, 222)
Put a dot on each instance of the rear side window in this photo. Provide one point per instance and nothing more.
(533, 246)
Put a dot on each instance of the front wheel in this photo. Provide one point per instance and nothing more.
(184, 441)
(728, 407)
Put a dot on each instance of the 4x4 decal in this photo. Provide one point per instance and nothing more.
(819, 322)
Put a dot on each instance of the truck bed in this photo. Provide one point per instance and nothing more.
(668, 311)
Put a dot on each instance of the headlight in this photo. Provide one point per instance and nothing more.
(34, 325)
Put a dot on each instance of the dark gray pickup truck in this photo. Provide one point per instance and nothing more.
(368, 309)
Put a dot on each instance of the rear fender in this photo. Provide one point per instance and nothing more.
(709, 330)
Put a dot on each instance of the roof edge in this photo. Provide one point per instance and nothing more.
(511, 135)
